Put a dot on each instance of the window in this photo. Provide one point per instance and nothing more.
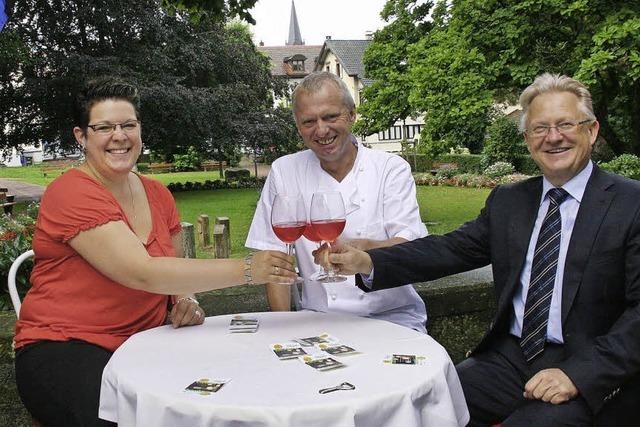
(393, 133)
(412, 130)
(297, 65)
(338, 69)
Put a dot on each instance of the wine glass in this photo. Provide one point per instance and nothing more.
(288, 219)
(328, 220)
(310, 234)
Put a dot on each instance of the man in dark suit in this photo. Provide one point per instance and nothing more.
(564, 346)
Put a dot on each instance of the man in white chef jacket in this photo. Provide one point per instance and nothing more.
(378, 191)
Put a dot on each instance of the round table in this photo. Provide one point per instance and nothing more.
(143, 383)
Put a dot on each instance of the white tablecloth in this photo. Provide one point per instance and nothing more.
(143, 383)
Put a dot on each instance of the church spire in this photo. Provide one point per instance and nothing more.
(294, 29)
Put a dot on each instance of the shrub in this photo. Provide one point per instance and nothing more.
(447, 173)
(419, 162)
(236, 174)
(504, 142)
(16, 234)
(499, 169)
(191, 161)
(511, 178)
(525, 165)
(143, 167)
(243, 182)
(467, 163)
(626, 165)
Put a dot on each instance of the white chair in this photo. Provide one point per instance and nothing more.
(11, 280)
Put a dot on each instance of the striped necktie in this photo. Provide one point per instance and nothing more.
(543, 275)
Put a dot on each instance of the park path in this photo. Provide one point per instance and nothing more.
(23, 191)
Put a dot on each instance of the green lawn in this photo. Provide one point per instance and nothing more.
(238, 205)
(443, 208)
(199, 176)
(446, 208)
(36, 174)
(43, 175)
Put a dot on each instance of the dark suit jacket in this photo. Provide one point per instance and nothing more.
(601, 288)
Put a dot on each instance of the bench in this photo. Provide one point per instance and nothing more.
(439, 166)
(160, 167)
(210, 165)
(6, 201)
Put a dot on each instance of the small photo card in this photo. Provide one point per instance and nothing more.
(288, 350)
(322, 338)
(336, 349)
(240, 323)
(404, 359)
(321, 362)
(205, 386)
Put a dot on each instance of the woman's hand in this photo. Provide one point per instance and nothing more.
(186, 312)
(272, 267)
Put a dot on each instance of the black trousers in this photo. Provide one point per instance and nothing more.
(59, 382)
(493, 383)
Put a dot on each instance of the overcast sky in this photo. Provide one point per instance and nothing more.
(340, 19)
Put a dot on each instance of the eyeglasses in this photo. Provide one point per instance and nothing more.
(129, 126)
(542, 131)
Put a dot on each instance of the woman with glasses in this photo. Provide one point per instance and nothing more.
(108, 264)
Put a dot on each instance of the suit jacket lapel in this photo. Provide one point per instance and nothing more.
(595, 202)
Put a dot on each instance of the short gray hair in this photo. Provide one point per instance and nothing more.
(316, 81)
(546, 83)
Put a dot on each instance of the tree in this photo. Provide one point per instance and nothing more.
(448, 85)
(386, 62)
(479, 52)
(596, 41)
(217, 9)
(195, 77)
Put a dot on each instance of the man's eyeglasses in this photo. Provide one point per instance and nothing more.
(129, 126)
(542, 131)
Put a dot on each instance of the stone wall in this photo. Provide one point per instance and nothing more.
(459, 308)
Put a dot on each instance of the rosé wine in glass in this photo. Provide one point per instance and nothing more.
(288, 219)
(289, 232)
(328, 219)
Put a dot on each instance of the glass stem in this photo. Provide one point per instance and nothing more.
(330, 271)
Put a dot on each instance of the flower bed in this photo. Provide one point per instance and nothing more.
(16, 233)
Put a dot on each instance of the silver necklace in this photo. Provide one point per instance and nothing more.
(133, 203)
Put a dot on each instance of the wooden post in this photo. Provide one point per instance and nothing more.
(223, 220)
(221, 248)
(204, 232)
(188, 240)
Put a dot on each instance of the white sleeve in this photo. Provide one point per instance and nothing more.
(261, 235)
(401, 214)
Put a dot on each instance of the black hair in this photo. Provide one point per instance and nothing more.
(99, 90)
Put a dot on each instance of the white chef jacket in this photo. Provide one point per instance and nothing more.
(379, 194)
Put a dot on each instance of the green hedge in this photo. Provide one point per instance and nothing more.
(525, 165)
(217, 184)
(467, 163)
(419, 162)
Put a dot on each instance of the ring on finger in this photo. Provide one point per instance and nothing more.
(276, 270)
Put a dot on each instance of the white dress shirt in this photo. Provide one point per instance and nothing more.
(380, 201)
(568, 212)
